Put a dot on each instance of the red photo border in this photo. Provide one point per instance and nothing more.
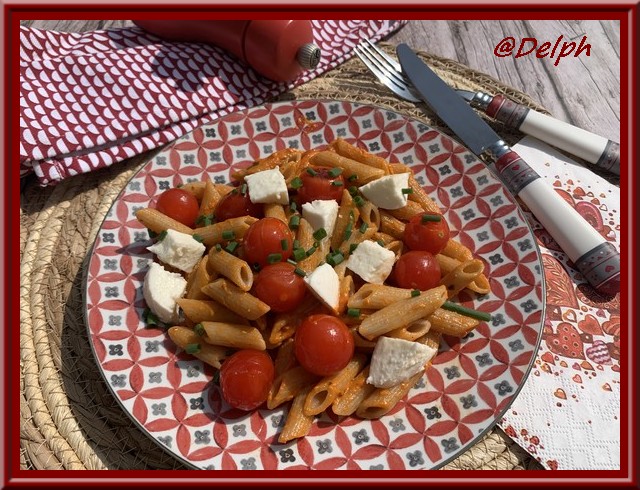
(11, 476)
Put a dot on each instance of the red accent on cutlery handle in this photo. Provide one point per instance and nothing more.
(507, 111)
(268, 46)
(515, 172)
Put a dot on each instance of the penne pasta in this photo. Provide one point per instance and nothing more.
(285, 324)
(420, 196)
(277, 211)
(407, 212)
(235, 299)
(391, 226)
(375, 296)
(364, 173)
(345, 149)
(297, 424)
(197, 280)
(370, 214)
(402, 313)
(199, 311)
(211, 354)
(195, 188)
(460, 277)
(288, 384)
(452, 323)
(213, 234)
(210, 199)
(237, 336)
(348, 215)
(413, 331)
(381, 400)
(479, 285)
(158, 222)
(231, 267)
(347, 289)
(285, 357)
(457, 250)
(358, 389)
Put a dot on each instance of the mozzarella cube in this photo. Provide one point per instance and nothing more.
(321, 214)
(386, 192)
(161, 289)
(267, 187)
(178, 250)
(324, 283)
(396, 360)
(371, 262)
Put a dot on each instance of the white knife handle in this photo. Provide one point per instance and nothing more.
(590, 147)
(593, 256)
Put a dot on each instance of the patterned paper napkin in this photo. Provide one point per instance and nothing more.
(93, 99)
(567, 414)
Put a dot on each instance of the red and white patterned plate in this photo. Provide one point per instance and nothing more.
(171, 395)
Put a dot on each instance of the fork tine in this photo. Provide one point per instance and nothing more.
(386, 64)
(393, 63)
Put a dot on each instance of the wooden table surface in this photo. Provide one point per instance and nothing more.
(582, 90)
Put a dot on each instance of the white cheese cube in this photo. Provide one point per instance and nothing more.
(161, 289)
(371, 262)
(178, 250)
(324, 283)
(396, 360)
(267, 187)
(321, 214)
(386, 192)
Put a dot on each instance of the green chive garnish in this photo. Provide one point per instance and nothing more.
(296, 244)
(199, 329)
(228, 235)
(300, 272)
(294, 221)
(152, 234)
(337, 183)
(192, 348)
(319, 234)
(353, 312)
(293, 207)
(415, 293)
(407, 191)
(352, 178)
(162, 234)
(299, 254)
(335, 259)
(231, 247)
(150, 318)
(353, 247)
(296, 183)
(197, 238)
(431, 217)
(358, 200)
(284, 243)
(363, 227)
(381, 243)
(478, 315)
(218, 247)
(243, 189)
(334, 172)
(205, 219)
(311, 172)
(311, 251)
(348, 230)
(274, 258)
(353, 190)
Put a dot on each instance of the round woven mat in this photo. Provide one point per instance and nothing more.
(68, 417)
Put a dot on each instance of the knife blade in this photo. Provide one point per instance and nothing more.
(595, 149)
(593, 256)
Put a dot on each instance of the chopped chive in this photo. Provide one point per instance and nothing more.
(199, 329)
(363, 227)
(197, 238)
(311, 251)
(335, 259)
(293, 206)
(192, 348)
(296, 244)
(353, 312)
(358, 200)
(274, 258)
(300, 272)
(319, 234)
(231, 247)
(218, 247)
(162, 234)
(337, 183)
(415, 292)
(353, 247)
(353, 190)
(311, 172)
(292, 262)
(431, 217)
(228, 235)
(243, 189)
(334, 172)
(299, 254)
(407, 191)
(205, 219)
(316, 244)
(348, 230)
(296, 183)
(284, 243)
(152, 234)
(150, 318)
(381, 243)
(234, 192)
(294, 222)
(352, 178)
(478, 315)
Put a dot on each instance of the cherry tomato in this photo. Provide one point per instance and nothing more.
(265, 237)
(235, 204)
(417, 270)
(323, 344)
(179, 205)
(320, 186)
(280, 287)
(429, 236)
(245, 378)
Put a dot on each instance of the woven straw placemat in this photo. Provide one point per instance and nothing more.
(68, 417)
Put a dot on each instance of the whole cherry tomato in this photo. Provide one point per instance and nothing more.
(265, 239)
(280, 287)
(429, 236)
(236, 204)
(319, 184)
(417, 270)
(179, 205)
(323, 344)
(245, 378)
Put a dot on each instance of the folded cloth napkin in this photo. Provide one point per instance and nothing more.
(568, 412)
(88, 100)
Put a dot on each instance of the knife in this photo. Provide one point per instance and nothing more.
(590, 147)
(593, 256)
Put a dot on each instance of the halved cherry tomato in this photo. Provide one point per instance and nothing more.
(323, 344)
(264, 239)
(417, 270)
(280, 287)
(245, 378)
(429, 236)
(179, 205)
(236, 204)
(318, 184)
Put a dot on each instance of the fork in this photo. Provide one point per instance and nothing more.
(386, 69)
